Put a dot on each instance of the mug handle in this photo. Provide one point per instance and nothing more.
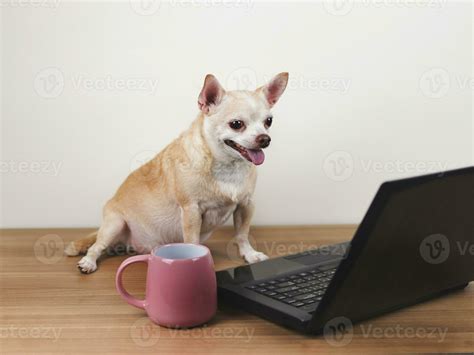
(119, 285)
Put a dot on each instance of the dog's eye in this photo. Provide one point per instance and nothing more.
(237, 124)
(268, 121)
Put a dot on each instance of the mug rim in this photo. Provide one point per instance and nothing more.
(168, 260)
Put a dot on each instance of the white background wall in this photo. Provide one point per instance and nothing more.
(378, 90)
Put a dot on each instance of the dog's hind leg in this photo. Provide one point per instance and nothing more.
(111, 228)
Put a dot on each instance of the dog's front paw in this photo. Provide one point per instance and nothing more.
(87, 265)
(254, 257)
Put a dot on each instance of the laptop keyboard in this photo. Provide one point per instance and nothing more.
(303, 290)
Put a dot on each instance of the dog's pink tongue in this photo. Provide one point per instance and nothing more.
(256, 155)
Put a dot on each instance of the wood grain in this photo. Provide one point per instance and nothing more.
(46, 305)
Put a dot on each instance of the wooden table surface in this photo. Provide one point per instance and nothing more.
(46, 305)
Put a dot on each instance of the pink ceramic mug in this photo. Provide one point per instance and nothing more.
(180, 285)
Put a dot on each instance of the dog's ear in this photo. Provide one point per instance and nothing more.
(211, 94)
(275, 88)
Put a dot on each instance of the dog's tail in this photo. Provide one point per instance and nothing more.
(81, 245)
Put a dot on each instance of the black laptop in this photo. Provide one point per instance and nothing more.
(415, 242)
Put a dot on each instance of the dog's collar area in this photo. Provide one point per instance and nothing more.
(255, 156)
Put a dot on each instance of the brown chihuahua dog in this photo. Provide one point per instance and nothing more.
(194, 184)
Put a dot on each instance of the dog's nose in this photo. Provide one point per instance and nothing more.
(263, 140)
